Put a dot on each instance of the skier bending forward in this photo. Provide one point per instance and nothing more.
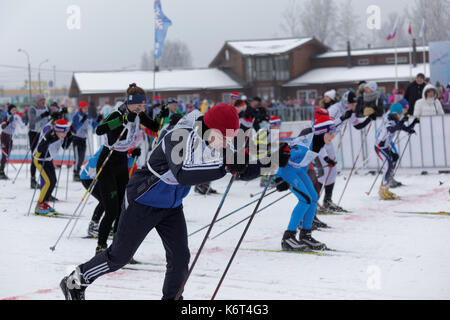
(154, 196)
(295, 178)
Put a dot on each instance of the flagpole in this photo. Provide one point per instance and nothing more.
(396, 65)
(424, 52)
(154, 60)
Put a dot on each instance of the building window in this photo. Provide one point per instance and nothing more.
(282, 67)
(264, 69)
(391, 60)
(363, 62)
(306, 97)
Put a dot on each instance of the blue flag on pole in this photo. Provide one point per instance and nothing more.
(162, 23)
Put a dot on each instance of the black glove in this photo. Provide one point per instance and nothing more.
(64, 110)
(416, 121)
(330, 162)
(164, 113)
(55, 116)
(285, 154)
(129, 117)
(84, 118)
(236, 168)
(411, 131)
(281, 185)
(373, 117)
(100, 118)
(45, 114)
(136, 153)
(347, 115)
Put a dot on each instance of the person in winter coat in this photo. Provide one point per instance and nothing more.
(370, 102)
(429, 105)
(81, 122)
(446, 99)
(414, 92)
(37, 117)
(328, 100)
(190, 154)
(9, 125)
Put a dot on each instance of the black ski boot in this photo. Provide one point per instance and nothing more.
(33, 183)
(76, 177)
(73, 286)
(394, 184)
(290, 243)
(317, 224)
(332, 207)
(3, 175)
(201, 188)
(306, 239)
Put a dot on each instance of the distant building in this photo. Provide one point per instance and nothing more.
(295, 68)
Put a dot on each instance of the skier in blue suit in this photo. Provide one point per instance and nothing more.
(295, 178)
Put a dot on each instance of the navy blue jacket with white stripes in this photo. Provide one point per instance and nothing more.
(180, 160)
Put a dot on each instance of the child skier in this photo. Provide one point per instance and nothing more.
(154, 198)
(81, 121)
(51, 139)
(9, 125)
(295, 178)
(383, 145)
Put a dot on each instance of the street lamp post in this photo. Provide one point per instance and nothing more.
(39, 74)
(29, 75)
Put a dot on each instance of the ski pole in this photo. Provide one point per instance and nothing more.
(238, 223)
(52, 248)
(240, 240)
(180, 290)
(59, 176)
(403, 153)
(67, 177)
(81, 211)
(26, 156)
(354, 165)
(232, 212)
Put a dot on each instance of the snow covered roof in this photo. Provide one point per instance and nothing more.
(264, 47)
(167, 80)
(381, 73)
(367, 52)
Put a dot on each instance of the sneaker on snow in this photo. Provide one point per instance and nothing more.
(305, 238)
(330, 206)
(73, 286)
(385, 194)
(290, 243)
(93, 229)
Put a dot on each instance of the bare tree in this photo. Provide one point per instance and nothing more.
(290, 23)
(145, 62)
(348, 27)
(436, 14)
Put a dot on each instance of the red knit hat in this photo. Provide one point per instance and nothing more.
(62, 126)
(224, 118)
(82, 105)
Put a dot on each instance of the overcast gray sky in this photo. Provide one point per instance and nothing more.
(115, 33)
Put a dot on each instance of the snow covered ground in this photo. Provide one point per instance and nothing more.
(382, 254)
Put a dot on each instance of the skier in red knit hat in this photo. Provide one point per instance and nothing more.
(155, 193)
